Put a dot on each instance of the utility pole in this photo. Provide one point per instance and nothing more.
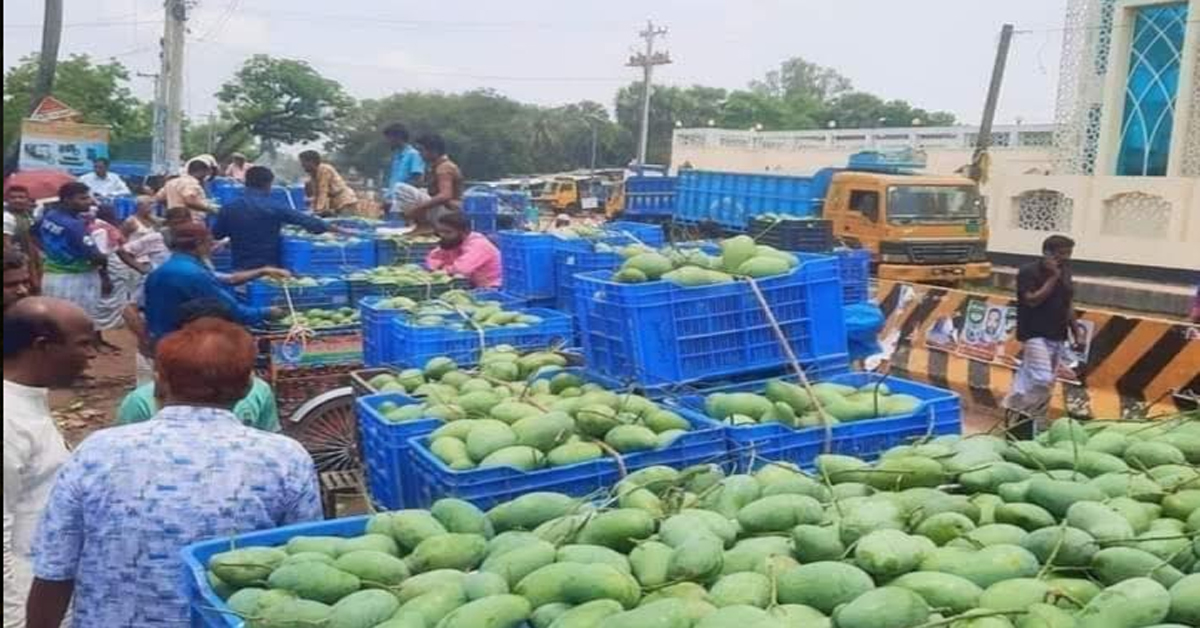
(647, 60)
(158, 150)
(47, 68)
(168, 114)
(989, 107)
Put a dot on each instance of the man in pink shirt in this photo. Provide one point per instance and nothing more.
(461, 252)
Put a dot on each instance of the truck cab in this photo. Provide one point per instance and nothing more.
(918, 227)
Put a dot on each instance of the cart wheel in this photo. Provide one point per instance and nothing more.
(328, 429)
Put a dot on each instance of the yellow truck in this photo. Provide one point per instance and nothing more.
(918, 227)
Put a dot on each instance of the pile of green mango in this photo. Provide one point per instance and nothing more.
(459, 310)
(555, 422)
(401, 276)
(1092, 525)
(501, 366)
(323, 239)
(792, 405)
(322, 318)
(740, 257)
(495, 417)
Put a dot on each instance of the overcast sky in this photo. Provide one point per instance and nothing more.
(936, 54)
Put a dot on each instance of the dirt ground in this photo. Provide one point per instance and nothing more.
(91, 404)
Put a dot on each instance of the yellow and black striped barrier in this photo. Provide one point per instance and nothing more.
(966, 342)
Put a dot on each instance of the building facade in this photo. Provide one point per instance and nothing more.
(1119, 170)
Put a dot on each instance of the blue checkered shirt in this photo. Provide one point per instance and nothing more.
(132, 497)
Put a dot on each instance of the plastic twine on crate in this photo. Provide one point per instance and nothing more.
(297, 331)
(794, 363)
(470, 321)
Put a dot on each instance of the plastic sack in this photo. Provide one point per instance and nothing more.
(864, 321)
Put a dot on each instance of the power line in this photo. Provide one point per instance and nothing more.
(221, 20)
(97, 24)
(432, 24)
(444, 73)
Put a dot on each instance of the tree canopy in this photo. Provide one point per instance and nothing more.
(799, 95)
(487, 134)
(272, 102)
(279, 101)
(98, 91)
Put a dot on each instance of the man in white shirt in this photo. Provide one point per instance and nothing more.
(47, 343)
(102, 183)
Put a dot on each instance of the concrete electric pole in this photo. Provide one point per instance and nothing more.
(984, 140)
(168, 112)
(647, 60)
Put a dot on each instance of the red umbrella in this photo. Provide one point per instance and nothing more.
(41, 183)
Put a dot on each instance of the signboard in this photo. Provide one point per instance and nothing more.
(62, 145)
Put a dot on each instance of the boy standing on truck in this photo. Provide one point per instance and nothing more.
(1045, 321)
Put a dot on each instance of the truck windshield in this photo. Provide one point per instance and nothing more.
(907, 203)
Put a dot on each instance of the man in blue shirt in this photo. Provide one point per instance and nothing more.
(253, 223)
(407, 165)
(185, 278)
(75, 270)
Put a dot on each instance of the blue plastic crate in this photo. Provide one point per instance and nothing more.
(659, 334)
(303, 256)
(854, 267)
(414, 346)
(650, 235)
(378, 339)
(480, 203)
(362, 288)
(820, 369)
(940, 412)
(649, 196)
(331, 293)
(399, 251)
(385, 451)
(124, 206)
(577, 256)
(210, 611)
(488, 487)
(528, 263)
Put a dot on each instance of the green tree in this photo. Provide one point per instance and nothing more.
(863, 110)
(797, 78)
(689, 106)
(278, 101)
(487, 134)
(98, 91)
(203, 137)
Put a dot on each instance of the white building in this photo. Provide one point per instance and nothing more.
(1119, 170)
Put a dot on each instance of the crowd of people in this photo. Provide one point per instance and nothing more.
(193, 453)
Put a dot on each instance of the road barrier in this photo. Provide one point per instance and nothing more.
(966, 341)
